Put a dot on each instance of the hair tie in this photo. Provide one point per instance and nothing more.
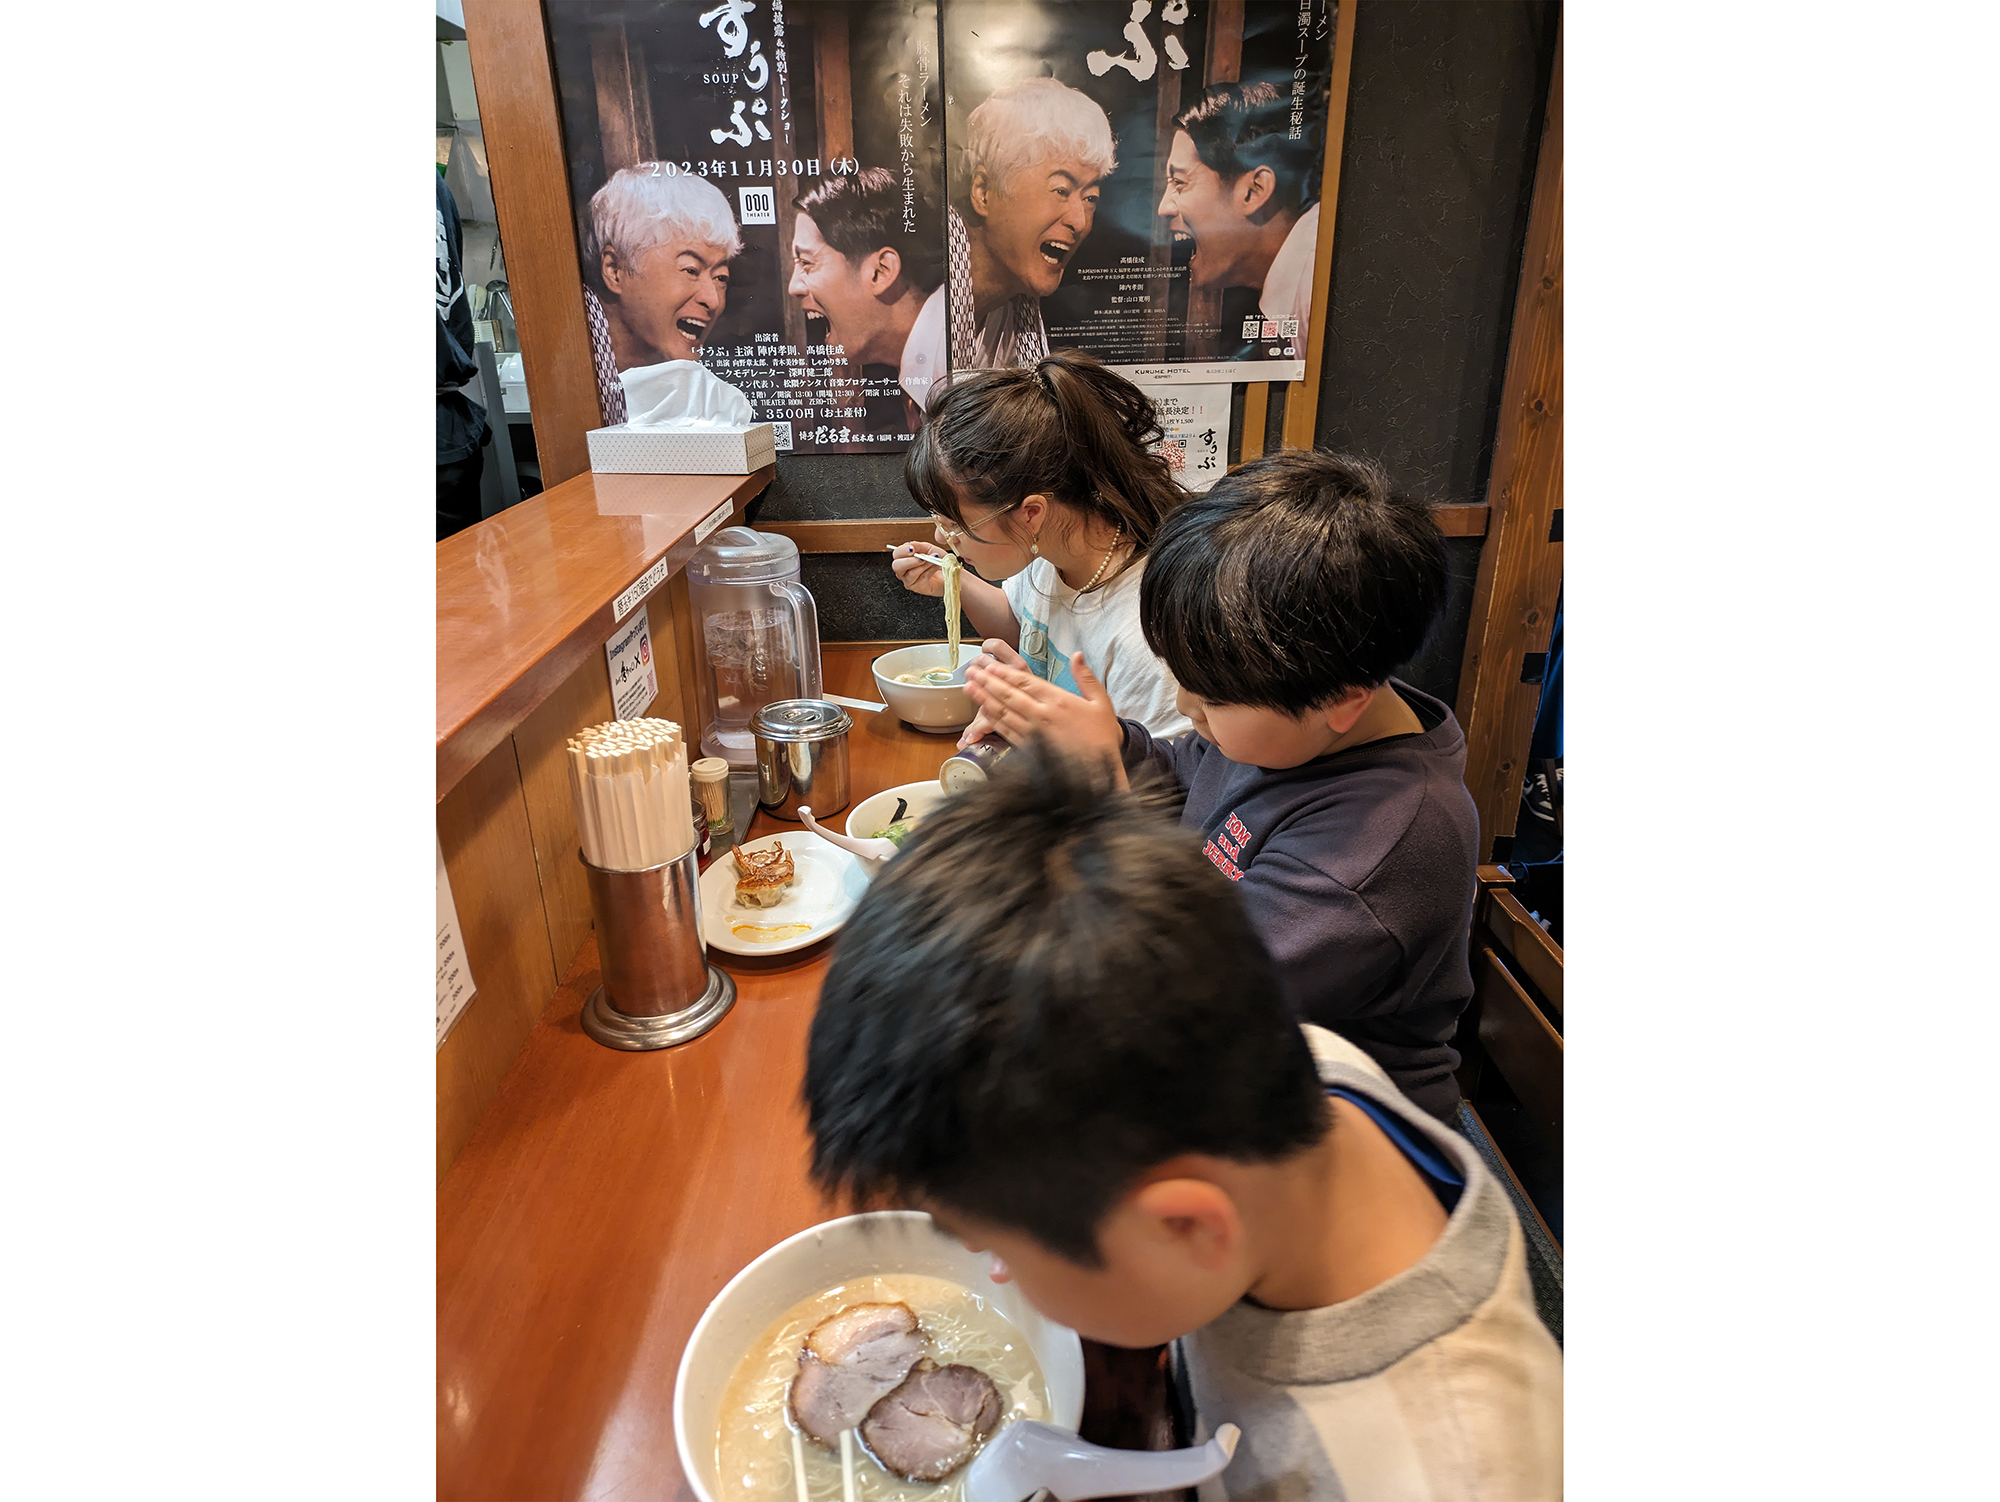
(1042, 376)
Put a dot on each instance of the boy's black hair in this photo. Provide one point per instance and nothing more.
(1295, 578)
(859, 214)
(1045, 994)
(1239, 127)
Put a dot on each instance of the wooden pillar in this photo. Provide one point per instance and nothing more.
(1520, 568)
(517, 114)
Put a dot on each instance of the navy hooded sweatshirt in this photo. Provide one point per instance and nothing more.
(1359, 871)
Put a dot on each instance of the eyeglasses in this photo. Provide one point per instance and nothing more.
(952, 533)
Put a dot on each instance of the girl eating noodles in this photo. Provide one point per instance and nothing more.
(1042, 480)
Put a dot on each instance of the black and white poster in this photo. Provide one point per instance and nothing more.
(758, 186)
(1139, 179)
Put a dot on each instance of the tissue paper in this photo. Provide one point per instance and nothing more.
(682, 394)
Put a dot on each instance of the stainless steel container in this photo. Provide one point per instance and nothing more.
(658, 987)
(801, 757)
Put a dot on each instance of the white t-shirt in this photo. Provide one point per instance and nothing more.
(1288, 285)
(1056, 622)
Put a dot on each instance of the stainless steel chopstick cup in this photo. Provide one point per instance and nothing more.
(658, 988)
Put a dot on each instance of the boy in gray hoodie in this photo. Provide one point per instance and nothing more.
(1079, 1062)
(1331, 795)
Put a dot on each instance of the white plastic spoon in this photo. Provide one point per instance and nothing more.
(1026, 1457)
(869, 850)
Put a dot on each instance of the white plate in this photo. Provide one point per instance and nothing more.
(827, 884)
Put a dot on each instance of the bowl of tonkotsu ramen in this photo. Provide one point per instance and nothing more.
(878, 1325)
(906, 678)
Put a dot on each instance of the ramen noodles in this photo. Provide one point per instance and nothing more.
(754, 1446)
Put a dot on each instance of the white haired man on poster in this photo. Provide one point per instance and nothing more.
(1247, 195)
(1024, 199)
(660, 243)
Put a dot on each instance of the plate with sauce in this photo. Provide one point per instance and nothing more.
(826, 884)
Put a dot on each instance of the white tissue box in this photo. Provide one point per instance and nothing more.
(625, 450)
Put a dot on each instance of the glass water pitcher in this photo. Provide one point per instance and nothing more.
(759, 633)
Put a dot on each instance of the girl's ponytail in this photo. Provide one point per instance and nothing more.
(1111, 426)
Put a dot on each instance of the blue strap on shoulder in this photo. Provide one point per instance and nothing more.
(1438, 1171)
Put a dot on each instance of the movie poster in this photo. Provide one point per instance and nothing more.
(757, 185)
(1135, 178)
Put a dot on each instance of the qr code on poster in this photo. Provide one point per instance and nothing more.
(781, 436)
(1175, 452)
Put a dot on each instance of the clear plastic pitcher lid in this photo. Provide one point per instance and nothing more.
(741, 555)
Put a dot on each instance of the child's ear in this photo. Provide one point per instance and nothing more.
(1196, 1217)
(1341, 714)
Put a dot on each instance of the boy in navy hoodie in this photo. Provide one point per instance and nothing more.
(1331, 794)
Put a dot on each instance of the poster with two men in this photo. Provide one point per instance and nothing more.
(832, 204)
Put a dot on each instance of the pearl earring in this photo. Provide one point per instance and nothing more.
(1035, 549)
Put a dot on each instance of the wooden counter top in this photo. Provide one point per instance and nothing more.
(606, 1197)
(525, 596)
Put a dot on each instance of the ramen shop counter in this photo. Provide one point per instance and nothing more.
(606, 1197)
(526, 596)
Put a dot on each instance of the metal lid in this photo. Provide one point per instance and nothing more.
(740, 555)
(801, 720)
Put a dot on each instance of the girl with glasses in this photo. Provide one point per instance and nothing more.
(1043, 480)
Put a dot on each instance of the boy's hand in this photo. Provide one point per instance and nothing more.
(1019, 705)
(917, 569)
(981, 727)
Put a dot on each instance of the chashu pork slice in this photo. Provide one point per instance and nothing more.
(851, 1361)
(932, 1424)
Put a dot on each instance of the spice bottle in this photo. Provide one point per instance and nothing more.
(710, 779)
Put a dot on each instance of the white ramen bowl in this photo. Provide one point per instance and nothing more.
(870, 816)
(926, 706)
(880, 1243)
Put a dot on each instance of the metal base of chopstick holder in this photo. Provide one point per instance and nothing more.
(659, 988)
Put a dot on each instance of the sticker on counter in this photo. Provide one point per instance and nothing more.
(644, 585)
(454, 974)
(634, 682)
(713, 520)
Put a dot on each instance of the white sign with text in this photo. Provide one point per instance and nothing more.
(1196, 422)
(454, 974)
(629, 654)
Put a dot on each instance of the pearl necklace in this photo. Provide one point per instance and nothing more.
(1117, 538)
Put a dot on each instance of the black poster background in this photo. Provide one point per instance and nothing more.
(1130, 253)
(645, 81)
